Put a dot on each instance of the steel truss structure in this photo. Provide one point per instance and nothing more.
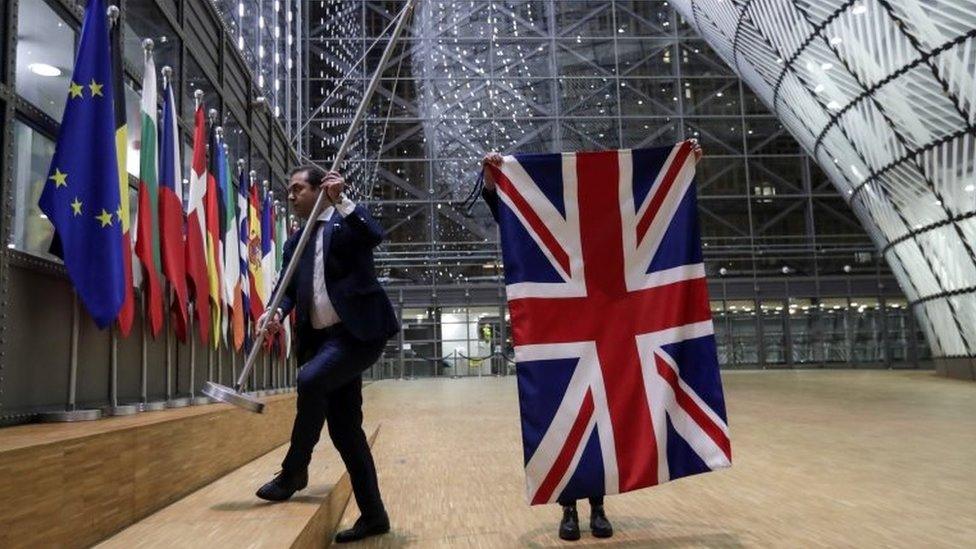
(881, 94)
(548, 75)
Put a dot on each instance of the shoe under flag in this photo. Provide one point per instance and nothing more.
(81, 193)
(618, 375)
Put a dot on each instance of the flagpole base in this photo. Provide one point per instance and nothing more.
(65, 416)
(230, 396)
(153, 406)
(120, 410)
(181, 402)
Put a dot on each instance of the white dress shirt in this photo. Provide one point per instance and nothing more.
(323, 314)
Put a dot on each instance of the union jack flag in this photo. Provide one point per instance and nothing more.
(618, 376)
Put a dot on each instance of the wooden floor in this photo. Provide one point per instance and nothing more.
(821, 459)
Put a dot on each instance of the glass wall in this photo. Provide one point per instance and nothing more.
(466, 341)
(47, 32)
(558, 75)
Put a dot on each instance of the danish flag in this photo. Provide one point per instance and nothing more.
(618, 375)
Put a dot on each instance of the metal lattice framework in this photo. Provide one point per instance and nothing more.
(881, 93)
(795, 277)
(545, 75)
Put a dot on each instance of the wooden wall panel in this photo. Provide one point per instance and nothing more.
(71, 485)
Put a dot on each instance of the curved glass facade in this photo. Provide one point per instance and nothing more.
(883, 95)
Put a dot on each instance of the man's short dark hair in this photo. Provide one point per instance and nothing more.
(314, 174)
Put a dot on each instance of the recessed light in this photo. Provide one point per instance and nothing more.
(43, 69)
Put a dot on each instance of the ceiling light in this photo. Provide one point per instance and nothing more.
(43, 69)
(859, 9)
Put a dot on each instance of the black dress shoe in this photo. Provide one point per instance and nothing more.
(364, 528)
(569, 526)
(599, 525)
(283, 486)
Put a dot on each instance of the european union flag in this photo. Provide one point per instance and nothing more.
(81, 195)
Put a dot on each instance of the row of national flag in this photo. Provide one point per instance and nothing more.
(215, 257)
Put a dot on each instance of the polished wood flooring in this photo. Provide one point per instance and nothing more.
(820, 459)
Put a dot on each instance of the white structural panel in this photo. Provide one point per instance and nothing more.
(881, 93)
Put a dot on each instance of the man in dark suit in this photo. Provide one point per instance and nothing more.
(344, 320)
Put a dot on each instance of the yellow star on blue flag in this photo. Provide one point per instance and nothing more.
(91, 248)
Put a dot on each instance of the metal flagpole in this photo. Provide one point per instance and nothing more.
(71, 411)
(171, 401)
(235, 395)
(144, 404)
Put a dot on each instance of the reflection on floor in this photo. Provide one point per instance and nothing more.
(821, 459)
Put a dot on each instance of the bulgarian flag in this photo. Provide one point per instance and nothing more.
(173, 249)
(147, 234)
(196, 250)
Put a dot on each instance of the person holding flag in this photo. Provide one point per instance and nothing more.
(344, 320)
(81, 195)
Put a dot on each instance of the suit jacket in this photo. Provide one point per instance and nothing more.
(350, 277)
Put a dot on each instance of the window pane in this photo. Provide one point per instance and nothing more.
(45, 57)
(133, 130)
(145, 20)
(32, 231)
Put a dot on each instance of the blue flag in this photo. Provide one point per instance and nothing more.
(81, 194)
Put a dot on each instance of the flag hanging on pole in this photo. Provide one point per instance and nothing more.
(268, 245)
(171, 218)
(254, 253)
(196, 250)
(81, 193)
(281, 235)
(626, 394)
(212, 206)
(231, 256)
(127, 313)
(243, 284)
(147, 234)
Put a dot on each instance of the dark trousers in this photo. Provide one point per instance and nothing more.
(594, 501)
(330, 389)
